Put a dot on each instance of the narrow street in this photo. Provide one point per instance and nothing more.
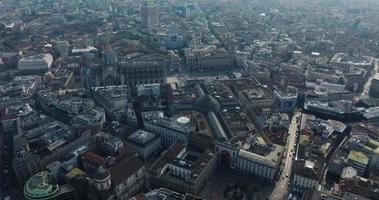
(281, 187)
(366, 87)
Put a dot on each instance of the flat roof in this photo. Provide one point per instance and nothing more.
(358, 156)
(38, 187)
(271, 159)
(141, 137)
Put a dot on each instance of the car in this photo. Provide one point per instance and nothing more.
(286, 175)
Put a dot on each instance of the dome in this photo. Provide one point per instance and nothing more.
(207, 103)
(102, 179)
(183, 120)
(39, 186)
(101, 174)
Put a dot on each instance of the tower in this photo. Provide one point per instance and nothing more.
(150, 14)
(102, 179)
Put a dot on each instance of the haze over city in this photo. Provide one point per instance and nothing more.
(189, 99)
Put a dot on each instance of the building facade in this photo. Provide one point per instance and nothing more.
(144, 143)
(37, 64)
(150, 14)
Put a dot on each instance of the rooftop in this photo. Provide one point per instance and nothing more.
(176, 123)
(237, 122)
(112, 92)
(39, 187)
(46, 57)
(248, 89)
(142, 137)
(52, 135)
(125, 168)
(180, 156)
(359, 157)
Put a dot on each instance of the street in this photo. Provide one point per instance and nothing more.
(366, 87)
(281, 188)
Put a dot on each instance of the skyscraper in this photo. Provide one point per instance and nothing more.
(150, 14)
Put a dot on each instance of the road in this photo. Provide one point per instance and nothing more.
(281, 188)
(366, 87)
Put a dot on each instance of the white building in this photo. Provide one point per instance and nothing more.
(265, 166)
(285, 101)
(37, 64)
(170, 129)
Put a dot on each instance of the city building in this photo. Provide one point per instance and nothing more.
(37, 64)
(170, 129)
(345, 61)
(316, 143)
(342, 110)
(108, 144)
(59, 78)
(62, 48)
(306, 176)
(183, 169)
(173, 40)
(285, 101)
(21, 86)
(102, 179)
(56, 138)
(207, 59)
(122, 180)
(374, 91)
(41, 187)
(26, 166)
(163, 193)
(355, 79)
(144, 143)
(263, 165)
(72, 106)
(143, 72)
(113, 99)
(329, 96)
(371, 114)
(150, 14)
(252, 95)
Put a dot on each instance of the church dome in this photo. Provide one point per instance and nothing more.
(102, 179)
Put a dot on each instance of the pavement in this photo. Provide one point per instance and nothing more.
(280, 191)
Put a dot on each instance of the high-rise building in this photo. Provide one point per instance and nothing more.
(26, 166)
(150, 14)
(62, 48)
